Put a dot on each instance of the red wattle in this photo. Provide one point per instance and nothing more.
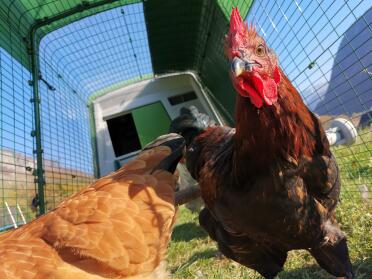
(246, 90)
(258, 90)
(270, 94)
(277, 75)
(258, 83)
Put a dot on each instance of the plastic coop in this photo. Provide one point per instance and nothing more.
(73, 73)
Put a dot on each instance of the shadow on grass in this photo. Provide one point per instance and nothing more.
(209, 253)
(187, 232)
(361, 269)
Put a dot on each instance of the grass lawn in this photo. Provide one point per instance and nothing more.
(191, 252)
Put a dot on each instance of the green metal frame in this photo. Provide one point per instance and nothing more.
(93, 132)
(33, 52)
(34, 62)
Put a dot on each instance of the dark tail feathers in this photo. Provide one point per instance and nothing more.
(176, 143)
(190, 123)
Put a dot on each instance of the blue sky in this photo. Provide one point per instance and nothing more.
(304, 31)
(98, 51)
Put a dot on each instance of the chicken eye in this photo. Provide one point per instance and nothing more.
(260, 50)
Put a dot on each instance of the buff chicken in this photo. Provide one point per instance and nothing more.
(118, 227)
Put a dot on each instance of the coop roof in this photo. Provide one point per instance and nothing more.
(179, 35)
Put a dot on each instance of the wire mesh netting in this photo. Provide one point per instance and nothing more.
(112, 40)
(16, 144)
(326, 54)
(115, 50)
(88, 48)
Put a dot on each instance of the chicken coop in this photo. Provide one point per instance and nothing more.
(85, 84)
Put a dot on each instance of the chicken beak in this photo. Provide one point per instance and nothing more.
(238, 66)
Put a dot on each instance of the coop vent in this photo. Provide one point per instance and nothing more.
(179, 99)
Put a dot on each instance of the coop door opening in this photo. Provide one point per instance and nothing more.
(123, 134)
(132, 131)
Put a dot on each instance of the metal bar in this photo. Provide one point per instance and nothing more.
(77, 9)
(94, 140)
(34, 57)
(11, 215)
(21, 213)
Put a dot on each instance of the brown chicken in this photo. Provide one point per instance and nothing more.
(272, 184)
(118, 227)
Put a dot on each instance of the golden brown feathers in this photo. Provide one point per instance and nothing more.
(118, 227)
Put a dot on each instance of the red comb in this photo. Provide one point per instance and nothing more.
(236, 22)
(236, 33)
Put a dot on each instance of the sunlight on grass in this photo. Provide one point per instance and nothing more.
(191, 252)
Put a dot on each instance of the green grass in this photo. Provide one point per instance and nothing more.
(191, 253)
